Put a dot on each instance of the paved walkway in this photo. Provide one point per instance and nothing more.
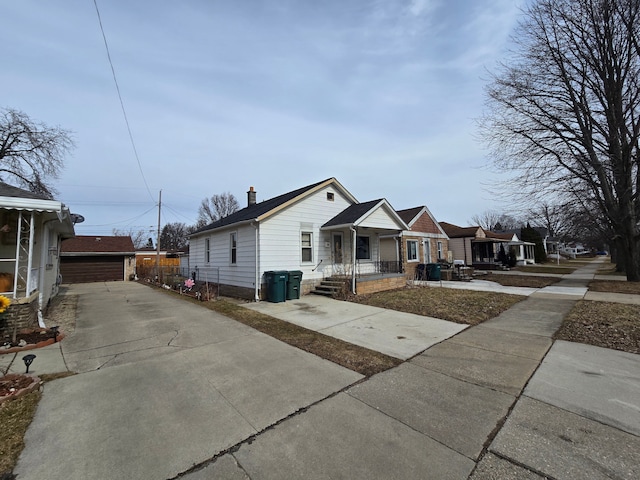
(218, 400)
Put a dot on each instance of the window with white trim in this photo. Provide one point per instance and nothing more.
(233, 244)
(412, 250)
(363, 250)
(306, 242)
(440, 251)
(207, 250)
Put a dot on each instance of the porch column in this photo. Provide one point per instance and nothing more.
(353, 260)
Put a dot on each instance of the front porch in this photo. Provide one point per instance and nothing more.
(370, 277)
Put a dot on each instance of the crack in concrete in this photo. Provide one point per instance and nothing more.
(250, 439)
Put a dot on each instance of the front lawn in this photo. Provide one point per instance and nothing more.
(460, 306)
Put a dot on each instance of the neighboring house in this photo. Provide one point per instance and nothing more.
(88, 258)
(320, 230)
(424, 242)
(31, 230)
(479, 248)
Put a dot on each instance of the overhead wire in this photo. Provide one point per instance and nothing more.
(124, 112)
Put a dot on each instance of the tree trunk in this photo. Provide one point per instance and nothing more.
(631, 254)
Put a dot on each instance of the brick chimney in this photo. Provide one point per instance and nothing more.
(251, 197)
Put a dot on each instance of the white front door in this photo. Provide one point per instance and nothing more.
(427, 250)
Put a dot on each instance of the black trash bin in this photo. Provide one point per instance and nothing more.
(277, 285)
(434, 271)
(293, 284)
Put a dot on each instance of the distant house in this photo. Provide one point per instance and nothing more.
(31, 230)
(89, 258)
(424, 242)
(320, 230)
(479, 248)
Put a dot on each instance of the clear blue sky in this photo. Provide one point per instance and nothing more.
(223, 95)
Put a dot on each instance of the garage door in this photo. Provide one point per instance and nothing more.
(91, 269)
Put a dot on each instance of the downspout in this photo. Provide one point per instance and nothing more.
(256, 293)
(353, 260)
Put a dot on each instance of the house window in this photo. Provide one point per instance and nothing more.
(363, 252)
(440, 251)
(207, 250)
(330, 196)
(427, 251)
(412, 250)
(234, 248)
(307, 246)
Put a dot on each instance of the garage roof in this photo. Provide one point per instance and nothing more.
(97, 245)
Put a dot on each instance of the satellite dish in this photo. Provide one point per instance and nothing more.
(76, 218)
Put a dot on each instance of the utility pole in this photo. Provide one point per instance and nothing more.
(158, 241)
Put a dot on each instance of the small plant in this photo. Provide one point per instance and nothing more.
(5, 303)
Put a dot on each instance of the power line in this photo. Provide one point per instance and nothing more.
(124, 112)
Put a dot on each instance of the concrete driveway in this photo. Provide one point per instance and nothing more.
(398, 334)
(163, 386)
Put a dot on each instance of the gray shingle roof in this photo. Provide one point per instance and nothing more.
(352, 213)
(7, 190)
(254, 211)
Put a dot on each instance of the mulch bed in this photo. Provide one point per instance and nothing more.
(33, 338)
(13, 386)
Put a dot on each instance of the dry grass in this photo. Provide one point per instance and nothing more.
(15, 418)
(615, 286)
(603, 324)
(460, 306)
(520, 280)
(562, 269)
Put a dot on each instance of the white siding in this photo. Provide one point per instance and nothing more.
(380, 218)
(280, 239)
(242, 274)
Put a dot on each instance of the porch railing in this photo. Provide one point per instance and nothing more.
(379, 268)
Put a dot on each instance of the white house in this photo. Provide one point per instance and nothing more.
(320, 230)
(31, 229)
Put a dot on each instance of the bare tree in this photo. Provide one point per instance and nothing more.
(555, 218)
(492, 220)
(486, 219)
(31, 153)
(137, 236)
(564, 112)
(217, 207)
(174, 236)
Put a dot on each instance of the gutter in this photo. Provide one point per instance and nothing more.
(256, 294)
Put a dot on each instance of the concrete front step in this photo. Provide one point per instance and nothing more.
(329, 287)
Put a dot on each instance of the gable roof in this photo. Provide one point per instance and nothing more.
(501, 235)
(412, 215)
(409, 215)
(262, 210)
(454, 231)
(355, 214)
(84, 244)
